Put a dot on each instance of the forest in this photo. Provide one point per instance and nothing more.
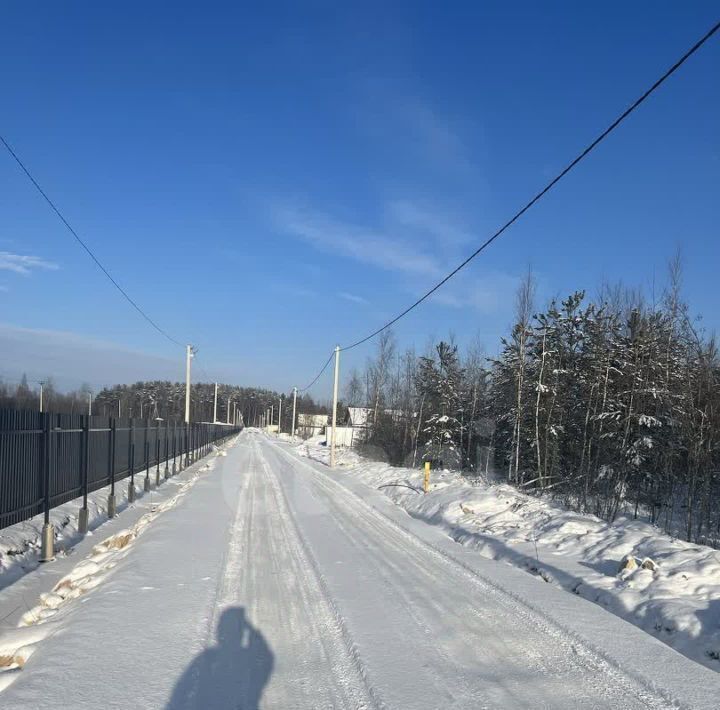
(610, 404)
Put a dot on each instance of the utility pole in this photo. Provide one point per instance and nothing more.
(189, 354)
(215, 406)
(292, 431)
(335, 401)
(89, 404)
(42, 382)
(119, 410)
(272, 416)
(280, 414)
(228, 410)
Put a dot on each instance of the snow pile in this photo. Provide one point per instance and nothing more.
(315, 448)
(668, 587)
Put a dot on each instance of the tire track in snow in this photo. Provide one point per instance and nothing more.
(339, 649)
(603, 672)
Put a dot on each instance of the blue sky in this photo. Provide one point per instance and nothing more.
(268, 181)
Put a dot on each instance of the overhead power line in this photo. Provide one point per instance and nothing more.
(546, 189)
(317, 377)
(86, 247)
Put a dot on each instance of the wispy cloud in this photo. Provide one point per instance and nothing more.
(402, 122)
(360, 243)
(487, 293)
(295, 290)
(433, 134)
(416, 217)
(3, 288)
(414, 241)
(352, 297)
(24, 264)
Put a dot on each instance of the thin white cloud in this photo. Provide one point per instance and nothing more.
(24, 264)
(403, 123)
(433, 133)
(418, 242)
(352, 297)
(359, 243)
(488, 293)
(293, 290)
(421, 218)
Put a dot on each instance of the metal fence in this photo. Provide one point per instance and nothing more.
(47, 459)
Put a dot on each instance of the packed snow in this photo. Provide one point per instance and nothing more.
(20, 549)
(268, 580)
(668, 587)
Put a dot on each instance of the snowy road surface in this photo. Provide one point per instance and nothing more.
(277, 583)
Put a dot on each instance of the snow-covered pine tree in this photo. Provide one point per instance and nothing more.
(439, 381)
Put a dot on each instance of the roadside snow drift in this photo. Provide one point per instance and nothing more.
(665, 586)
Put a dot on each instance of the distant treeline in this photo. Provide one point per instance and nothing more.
(150, 400)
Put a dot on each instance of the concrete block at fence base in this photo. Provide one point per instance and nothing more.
(83, 518)
(47, 550)
(157, 477)
(167, 471)
(146, 484)
(131, 493)
(174, 469)
(112, 506)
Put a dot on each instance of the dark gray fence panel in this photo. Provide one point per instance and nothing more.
(22, 452)
(21, 484)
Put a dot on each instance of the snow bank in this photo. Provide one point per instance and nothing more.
(49, 613)
(675, 597)
(20, 543)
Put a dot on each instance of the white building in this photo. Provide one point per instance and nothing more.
(310, 425)
(352, 429)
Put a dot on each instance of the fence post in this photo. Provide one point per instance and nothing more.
(157, 454)
(146, 484)
(111, 462)
(131, 459)
(167, 449)
(174, 468)
(47, 551)
(83, 515)
(187, 445)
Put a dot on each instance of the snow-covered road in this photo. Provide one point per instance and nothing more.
(277, 583)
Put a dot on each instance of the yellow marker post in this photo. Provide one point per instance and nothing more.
(426, 482)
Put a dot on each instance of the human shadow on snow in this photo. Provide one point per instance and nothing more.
(231, 674)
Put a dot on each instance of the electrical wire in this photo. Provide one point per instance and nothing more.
(546, 189)
(86, 247)
(317, 377)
